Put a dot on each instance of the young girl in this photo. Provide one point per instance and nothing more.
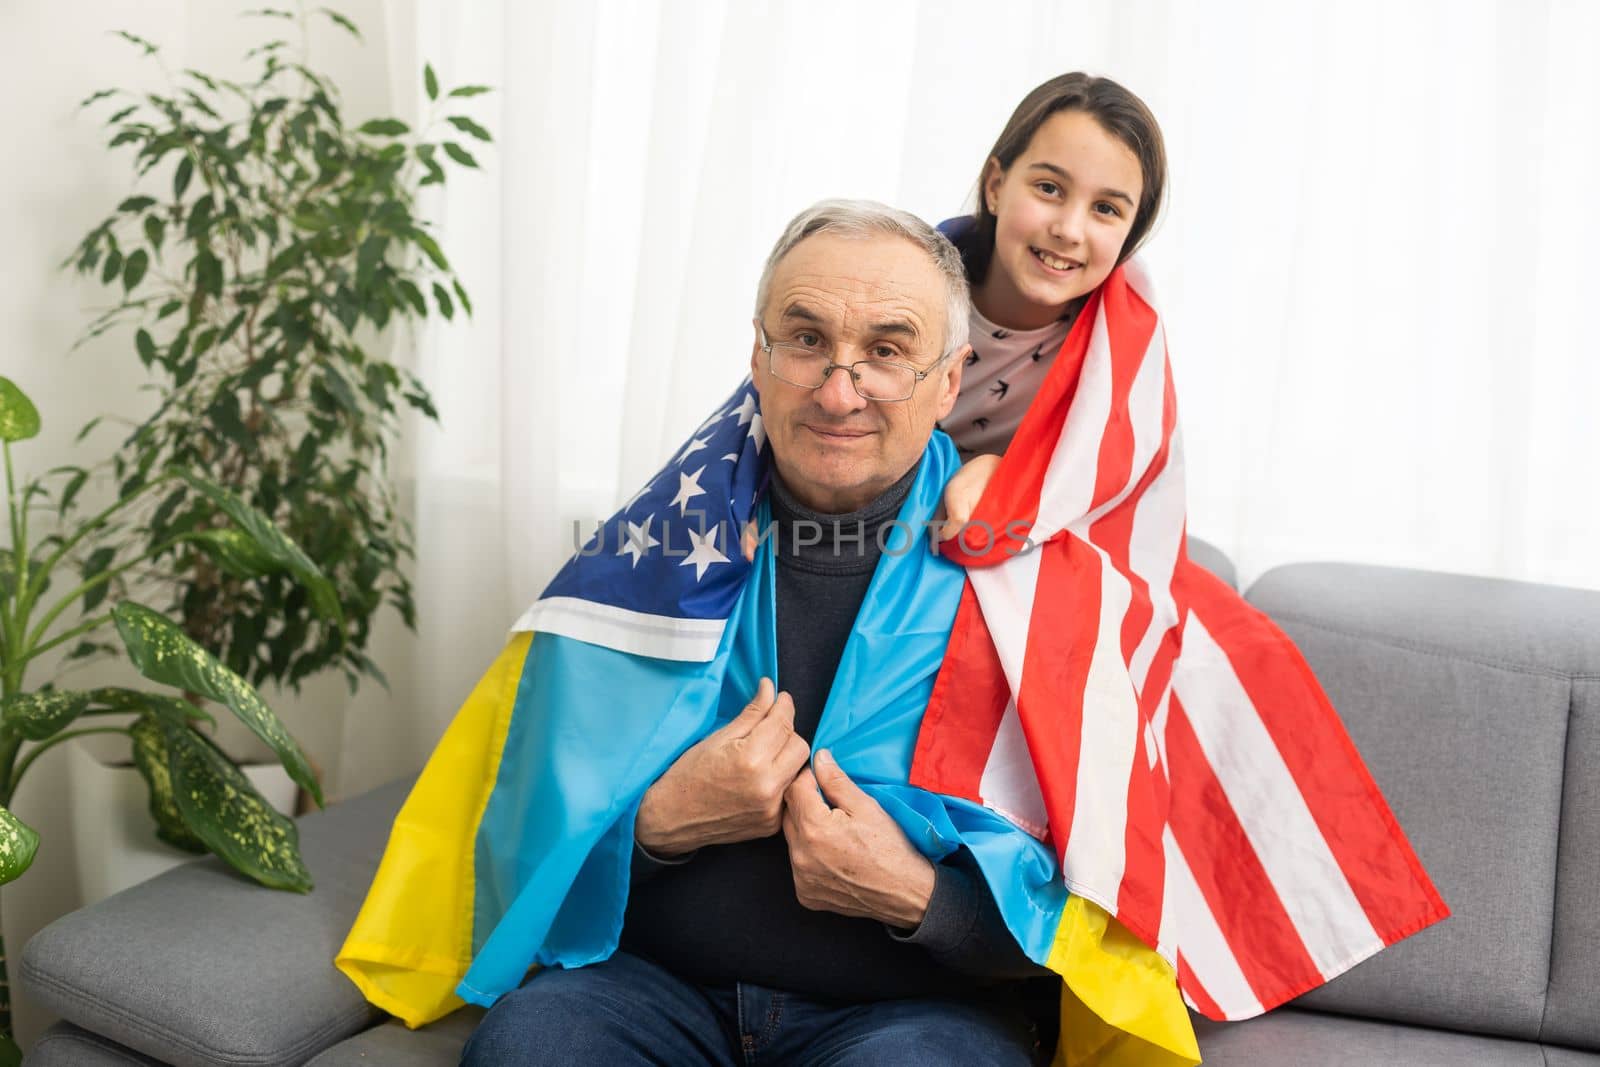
(1070, 190)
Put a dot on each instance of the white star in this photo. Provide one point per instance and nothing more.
(691, 448)
(705, 552)
(758, 431)
(732, 457)
(747, 410)
(638, 541)
(688, 488)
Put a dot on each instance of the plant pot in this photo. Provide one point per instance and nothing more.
(114, 836)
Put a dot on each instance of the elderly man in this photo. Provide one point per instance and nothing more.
(777, 913)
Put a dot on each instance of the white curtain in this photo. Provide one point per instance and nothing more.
(1374, 262)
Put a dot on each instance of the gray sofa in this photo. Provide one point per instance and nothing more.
(1475, 702)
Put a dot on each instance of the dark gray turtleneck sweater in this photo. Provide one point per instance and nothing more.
(728, 913)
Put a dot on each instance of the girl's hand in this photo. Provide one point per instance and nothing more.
(962, 493)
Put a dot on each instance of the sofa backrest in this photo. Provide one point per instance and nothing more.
(1476, 704)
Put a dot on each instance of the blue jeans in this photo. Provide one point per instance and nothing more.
(627, 1010)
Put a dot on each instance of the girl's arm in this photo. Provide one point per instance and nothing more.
(963, 491)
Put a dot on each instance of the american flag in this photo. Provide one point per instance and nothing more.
(661, 576)
(1112, 697)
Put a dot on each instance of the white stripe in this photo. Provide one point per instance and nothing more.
(1153, 555)
(1146, 405)
(1068, 488)
(1005, 593)
(1009, 784)
(1108, 742)
(1269, 805)
(661, 636)
(1204, 948)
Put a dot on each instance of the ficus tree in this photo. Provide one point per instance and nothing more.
(267, 251)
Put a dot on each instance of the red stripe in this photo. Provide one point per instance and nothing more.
(1055, 671)
(969, 698)
(1366, 841)
(1253, 921)
(1197, 992)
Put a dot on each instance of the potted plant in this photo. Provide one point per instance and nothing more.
(199, 800)
(267, 250)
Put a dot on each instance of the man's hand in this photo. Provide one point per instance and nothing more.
(729, 786)
(963, 491)
(852, 858)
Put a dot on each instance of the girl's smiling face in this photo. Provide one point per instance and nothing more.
(1063, 211)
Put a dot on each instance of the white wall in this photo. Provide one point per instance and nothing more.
(59, 180)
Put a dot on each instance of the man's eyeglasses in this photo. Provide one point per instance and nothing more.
(883, 380)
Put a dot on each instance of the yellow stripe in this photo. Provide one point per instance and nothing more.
(1120, 1005)
(412, 942)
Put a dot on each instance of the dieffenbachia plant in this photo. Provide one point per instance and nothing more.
(198, 798)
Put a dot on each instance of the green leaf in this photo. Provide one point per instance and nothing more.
(273, 542)
(384, 127)
(342, 21)
(19, 419)
(134, 269)
(159, 703)
(93, 567)
(466, 125)
(181, 177)
(112, 269)
(150, 756)
(149, 49)
(470, 90)
(42, 714)
(459, 154)
(430, 81)
(146, 347)
(163, 653)
(220, 806)
(208, 273)
(236, 553)
(446, 307)
(155, 231)
(73, 487)
(18, 844)
(461, 295)
(168, 308)
(136, 203)
(413, 296)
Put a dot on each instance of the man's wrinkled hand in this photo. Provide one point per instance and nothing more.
(730, 785)
(848, 855)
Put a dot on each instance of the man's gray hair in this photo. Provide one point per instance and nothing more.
(866, 218)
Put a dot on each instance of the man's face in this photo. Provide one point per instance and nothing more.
(877, 297)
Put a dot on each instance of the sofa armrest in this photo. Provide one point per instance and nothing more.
(200, 966)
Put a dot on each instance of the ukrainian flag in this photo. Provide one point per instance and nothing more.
(513, 850)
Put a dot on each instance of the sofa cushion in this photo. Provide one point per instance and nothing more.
(1457, 692)
(1309, 1039)
(65, 1045)
(435, 1045)
(200, 966)
(1572, 1010)
(1212, 559)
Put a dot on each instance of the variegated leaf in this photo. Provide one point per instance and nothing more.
(19, 419)
(163, 653)
(39, 715)
(18, 843)
(150, 756)
(223, 809)
(273, 542)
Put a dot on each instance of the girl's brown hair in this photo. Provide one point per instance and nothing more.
(1123, 115)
